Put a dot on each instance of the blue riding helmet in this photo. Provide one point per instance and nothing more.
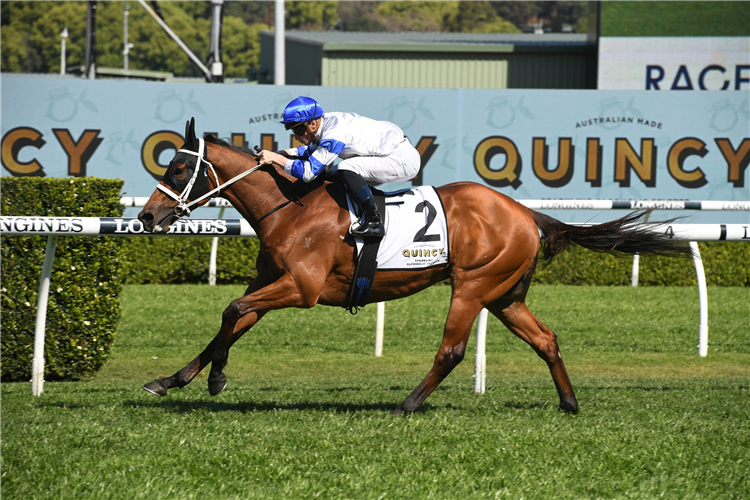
(300, 110)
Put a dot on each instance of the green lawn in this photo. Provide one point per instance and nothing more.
(306, 413)
(675, 18)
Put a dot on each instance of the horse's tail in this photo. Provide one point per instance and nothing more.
(624, 236)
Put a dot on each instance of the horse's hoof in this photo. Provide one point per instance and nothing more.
(568, 407)
(401, 410)
(156, 387)
(215, 386)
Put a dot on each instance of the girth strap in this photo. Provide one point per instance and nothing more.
(367, 264)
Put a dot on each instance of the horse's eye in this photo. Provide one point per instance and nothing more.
(178, 171)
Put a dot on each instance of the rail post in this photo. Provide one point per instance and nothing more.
(379, 328)
(636, 263)
(214, 251)
(702, 299)
(37, 363)
(634, 273)
(480, 360)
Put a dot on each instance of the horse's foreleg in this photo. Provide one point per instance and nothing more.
(452, 350)
(233, 326)
(244, 312)
(184, 376)
(189, 372)
(522, 322)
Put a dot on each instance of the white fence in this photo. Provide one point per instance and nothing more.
(572, 204)
(709, 232)
(558, 204)
(53, 227)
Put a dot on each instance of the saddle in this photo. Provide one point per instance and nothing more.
(366, 259)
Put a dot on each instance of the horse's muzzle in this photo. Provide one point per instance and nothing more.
(147, 219)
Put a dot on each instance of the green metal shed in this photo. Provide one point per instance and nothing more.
(433, 60)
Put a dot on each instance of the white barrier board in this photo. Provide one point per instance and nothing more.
(120, 226)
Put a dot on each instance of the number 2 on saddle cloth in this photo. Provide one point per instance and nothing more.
(416, 238)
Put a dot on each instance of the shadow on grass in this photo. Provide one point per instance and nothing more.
(512, 405)
(269, 406)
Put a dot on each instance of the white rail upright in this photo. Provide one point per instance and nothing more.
(37, 363)
(702, 299)
(480, 360)
(634, 274)
(379, 329)
(214, 252)
(635, 271)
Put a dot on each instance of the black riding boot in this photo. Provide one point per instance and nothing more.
(361, 194)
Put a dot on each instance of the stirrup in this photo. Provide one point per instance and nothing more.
(368, 229)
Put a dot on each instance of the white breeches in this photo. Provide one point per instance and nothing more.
(401, 165)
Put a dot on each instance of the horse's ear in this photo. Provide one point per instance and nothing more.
(190, 138)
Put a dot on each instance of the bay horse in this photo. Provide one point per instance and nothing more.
(306, 256)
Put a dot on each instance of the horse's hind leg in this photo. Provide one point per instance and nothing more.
(518, 319)
(455, 336)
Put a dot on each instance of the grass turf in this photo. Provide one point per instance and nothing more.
(307, 410)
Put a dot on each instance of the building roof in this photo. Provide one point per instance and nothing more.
(421, 41)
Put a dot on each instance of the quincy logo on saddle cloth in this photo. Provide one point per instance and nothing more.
(416, 238)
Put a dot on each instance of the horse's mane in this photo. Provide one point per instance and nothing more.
(221, 142)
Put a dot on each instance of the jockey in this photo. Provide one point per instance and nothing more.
(372, 151)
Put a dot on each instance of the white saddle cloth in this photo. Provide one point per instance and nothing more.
(416, 232)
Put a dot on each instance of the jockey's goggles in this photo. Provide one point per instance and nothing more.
(299, 128)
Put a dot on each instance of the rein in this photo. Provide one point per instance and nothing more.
(183, 208)
(295, 200)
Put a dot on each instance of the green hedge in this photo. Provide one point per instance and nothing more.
(725, 264)
(84, 307)
(185, 260)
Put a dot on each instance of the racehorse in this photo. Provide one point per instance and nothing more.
(306, 256)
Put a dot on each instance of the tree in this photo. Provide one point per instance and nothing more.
(358, 16)
(553, 14)
(152, 48)
(518, 13)
(31, 35)
(437, 16)
(17, 54)
(240, 46)
(311, 16)
(415, 15)
(250, 12)
(478, 17)
(31, 42)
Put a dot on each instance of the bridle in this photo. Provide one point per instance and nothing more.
(183, 203)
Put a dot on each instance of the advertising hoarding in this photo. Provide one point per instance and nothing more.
(528, 144)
